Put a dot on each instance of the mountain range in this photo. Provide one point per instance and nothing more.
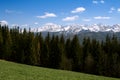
(95, 31)
(76, 28)
(73, 28)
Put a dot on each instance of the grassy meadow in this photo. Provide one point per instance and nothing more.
(15, 71)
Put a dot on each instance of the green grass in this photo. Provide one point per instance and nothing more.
(14, 71)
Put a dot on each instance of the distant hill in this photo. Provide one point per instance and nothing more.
(84, 34)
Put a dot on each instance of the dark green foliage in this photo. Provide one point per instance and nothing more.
(7, 43)
(89, 56)
(55, 54)
(1, 43)
(45, 50)
(75, 53)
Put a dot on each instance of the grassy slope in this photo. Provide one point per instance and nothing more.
(13, 71)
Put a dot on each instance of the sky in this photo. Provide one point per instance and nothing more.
(63, 12)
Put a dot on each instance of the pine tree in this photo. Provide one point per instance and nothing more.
(42, 51)
(65, 63)
(31, 56)
(7, 42)
(23, 48)
(67, 48)
(95, 51)
(75, 53)
(1, 43)
(55, 56)
(15, 44)
(86, 50)
(89, 64)
(37, 49)
(46, 51)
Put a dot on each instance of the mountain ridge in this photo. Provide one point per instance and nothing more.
(76, 28)
(73, 28)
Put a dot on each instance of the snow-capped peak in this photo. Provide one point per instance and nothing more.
(50, 27)
(3, 23)
(76, 28)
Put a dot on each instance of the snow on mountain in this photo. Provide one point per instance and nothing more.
(76, 28)
(49, 27)
(3, 23)
(116, 28)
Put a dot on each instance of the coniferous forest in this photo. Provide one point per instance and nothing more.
(92, 56)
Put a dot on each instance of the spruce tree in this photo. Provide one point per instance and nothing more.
(55, 56)
(75, 53)
(7, 42)
(46, 51)
(86, 50)
(1, 43)
(65, 63)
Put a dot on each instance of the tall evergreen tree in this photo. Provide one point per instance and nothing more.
(65, 63)
(86, 50)
(42, 51)
(7, 42)
(55, 56)
(1, 43)
(95, 51)
(15, 44)
(37, 49)
(75, 53)
(67, 54)
(46, 51)
(23, 46)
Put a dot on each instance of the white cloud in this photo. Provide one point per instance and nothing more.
(86, 20)
(14, 25)
(112, 9)
(95, 2)
(9, 11)
(50, 23)
(47, 15)
(79, 9)
(12, 11)
(102, 17)
(36, 23)
(102, 1)
(3, 22)
(25, 25)
(71, 18)
(118, 10)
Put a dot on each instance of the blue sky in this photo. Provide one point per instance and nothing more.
(63, 12)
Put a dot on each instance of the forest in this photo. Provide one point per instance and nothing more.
(91, 56)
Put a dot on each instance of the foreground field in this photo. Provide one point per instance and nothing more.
(14, 71)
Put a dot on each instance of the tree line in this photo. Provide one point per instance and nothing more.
(92, 56)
